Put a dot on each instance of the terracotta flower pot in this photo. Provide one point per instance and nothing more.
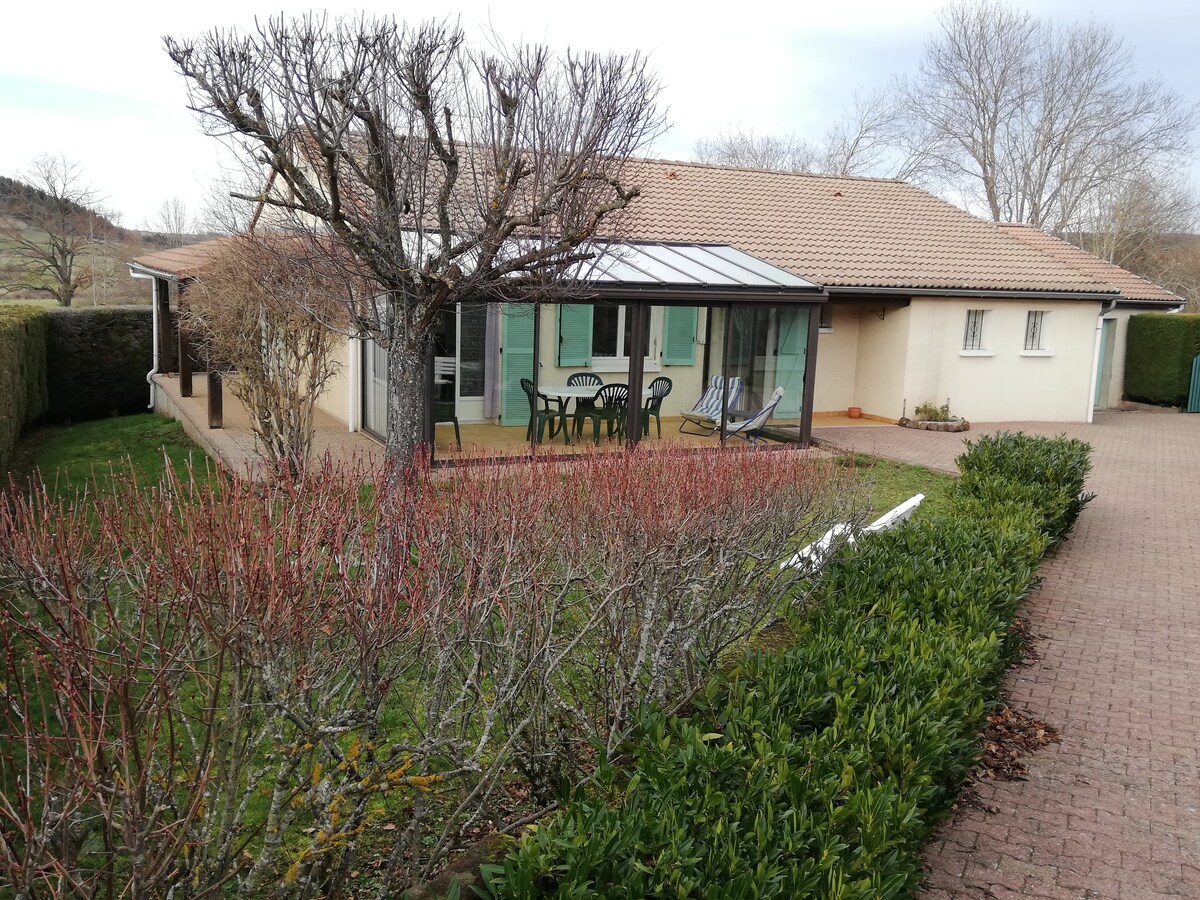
(855, 412)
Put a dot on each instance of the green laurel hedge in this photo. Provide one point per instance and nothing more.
(1159, 351)
(63, 365)
(98, 359)
(23, 397)
(820, 770)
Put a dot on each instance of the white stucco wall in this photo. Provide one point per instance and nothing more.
(837, 361)
(686, 381)
(1002, 383)
(335, 399)
(882, 358)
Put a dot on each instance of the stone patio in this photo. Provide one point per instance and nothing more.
(1112, 810)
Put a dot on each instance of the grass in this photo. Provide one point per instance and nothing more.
(889, 484)
(70, 458)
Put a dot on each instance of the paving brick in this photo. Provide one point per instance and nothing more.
(1112, 811)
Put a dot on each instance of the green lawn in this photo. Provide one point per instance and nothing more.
(889, 484)
(69, 457)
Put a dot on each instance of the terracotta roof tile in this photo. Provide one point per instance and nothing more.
(1131, 286)
(181, 262)
(844, 232)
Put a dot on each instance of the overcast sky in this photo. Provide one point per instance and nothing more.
(91, 81)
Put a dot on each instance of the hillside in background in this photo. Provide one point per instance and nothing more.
(22, 205)
(17, 199)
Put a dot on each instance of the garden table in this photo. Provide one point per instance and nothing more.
(568, 392)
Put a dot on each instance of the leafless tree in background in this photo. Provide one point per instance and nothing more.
(54, 232)
(1038, 121)
(870, 138)
(757, 151)
(173, 223)
(446, 173)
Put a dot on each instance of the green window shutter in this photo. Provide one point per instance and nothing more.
(516, 362)
(790, 359)
(679, 335)
(574, 335)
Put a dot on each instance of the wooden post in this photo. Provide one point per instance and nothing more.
(637, 360)
(185, 351)
(725, 368)
(810, 375)
(167, 340)
(216, 400)
(533, 376)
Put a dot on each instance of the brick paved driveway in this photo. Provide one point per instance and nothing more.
(1112, 811)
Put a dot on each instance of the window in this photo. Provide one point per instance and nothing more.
(973, 333)
(826, 317)
(612, 332)
(1035, 330)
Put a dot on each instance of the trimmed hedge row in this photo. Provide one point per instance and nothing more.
(97, 361)
(1159, 351)
(23, 398)
(820, 770)
(69, 365)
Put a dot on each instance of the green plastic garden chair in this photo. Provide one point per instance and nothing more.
(659, 388)
(612, 400)
(582, 405)
(543, 414)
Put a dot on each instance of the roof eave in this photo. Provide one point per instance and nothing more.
(1164, 305)
(698, 295)
(982, 293)
(135, 266)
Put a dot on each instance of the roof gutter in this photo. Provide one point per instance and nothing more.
(1171, 306)
(909, 293)
(137, 270)
(696, 295)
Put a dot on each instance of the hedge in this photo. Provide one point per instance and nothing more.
(98, 359)
(1159, 351)
(820, 770)
(23, 334)
(69, 365)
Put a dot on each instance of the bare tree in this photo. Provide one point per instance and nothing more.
(765, 151)
(259, 310)
(448, 174)
(870, 138)
(173, 223)
(1035, 120)
(1130, 221)
(53, 231)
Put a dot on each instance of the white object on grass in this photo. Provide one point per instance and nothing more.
(814, 555)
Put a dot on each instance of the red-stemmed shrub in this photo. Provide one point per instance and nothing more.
(255, 686)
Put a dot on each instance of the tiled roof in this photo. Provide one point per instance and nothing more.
(181, 262)
(1132, 287)
(843, 232)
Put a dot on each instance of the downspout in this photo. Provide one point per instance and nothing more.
(354, 409)
(1091, 397)
(154, 326)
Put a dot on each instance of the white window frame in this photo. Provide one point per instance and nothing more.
(620, 362)
(1035, 325)
(980, 345)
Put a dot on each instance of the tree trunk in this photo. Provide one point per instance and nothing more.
(409, 359)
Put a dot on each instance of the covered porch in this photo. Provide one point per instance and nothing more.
(510, 379)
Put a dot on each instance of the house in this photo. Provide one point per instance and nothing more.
(846, 292)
